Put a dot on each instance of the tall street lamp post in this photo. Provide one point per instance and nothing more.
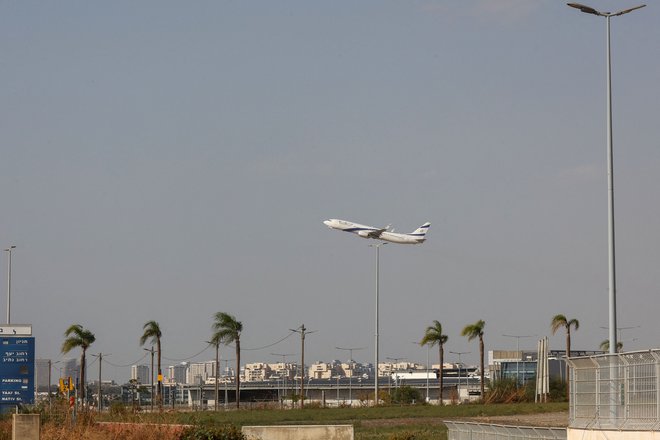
(9, 251)
(377, 246)
(610, 171)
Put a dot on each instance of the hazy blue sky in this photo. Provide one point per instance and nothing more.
(167, 160)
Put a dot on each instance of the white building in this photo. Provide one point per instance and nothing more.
(256, 372)
(200, 372)
(387, 368)
(282, 370)
(350, 369)
(324, 370)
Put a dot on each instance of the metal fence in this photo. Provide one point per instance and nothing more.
(483, 431)
(616, 391)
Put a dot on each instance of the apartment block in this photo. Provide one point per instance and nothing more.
(140, 373)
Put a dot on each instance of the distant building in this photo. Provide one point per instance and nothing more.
(41, 374)
(387, 368)
(177, 373)
(324, 370)
(200, 372)
(521, 365)
(282, 370)
(257, 372)
(140, 373)
(69, 368)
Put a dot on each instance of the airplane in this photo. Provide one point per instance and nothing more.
(385, 234)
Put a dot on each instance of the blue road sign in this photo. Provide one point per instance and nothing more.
(16, 370)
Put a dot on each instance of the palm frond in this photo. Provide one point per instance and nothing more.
(558, 321)
(77, 336)
(152, 332)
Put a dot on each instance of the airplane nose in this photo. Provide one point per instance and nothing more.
(327, 223)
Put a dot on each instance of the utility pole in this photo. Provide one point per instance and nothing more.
(50, 366)
(151, 373)
(100, 356)
(303, 331)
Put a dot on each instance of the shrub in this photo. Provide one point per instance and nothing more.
(118, 409)
(403, 436)
(228, 432)
(505, 391)
(557, 390)
(406, 395)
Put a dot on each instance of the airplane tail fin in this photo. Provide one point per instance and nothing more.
(420, 232)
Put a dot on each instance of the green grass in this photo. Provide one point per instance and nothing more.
(419, 422)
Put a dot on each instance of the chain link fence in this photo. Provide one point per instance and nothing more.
(615, 391)
(483, 431)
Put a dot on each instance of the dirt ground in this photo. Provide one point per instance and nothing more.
(553, 420)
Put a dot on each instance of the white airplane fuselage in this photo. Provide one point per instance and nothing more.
(416, 237)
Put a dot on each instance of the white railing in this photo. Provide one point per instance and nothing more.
(484, 431)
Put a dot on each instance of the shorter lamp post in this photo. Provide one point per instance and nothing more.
(9, 251)
(460, 364)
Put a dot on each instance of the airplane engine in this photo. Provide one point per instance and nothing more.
(364, 234)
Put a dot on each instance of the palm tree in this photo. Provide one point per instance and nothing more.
(472, 331)
(559, 321)
(228, 331)
(153, 334)
(77, 336)
(433, 335)
(605, 346)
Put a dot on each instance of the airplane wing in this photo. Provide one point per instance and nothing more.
(376, 233)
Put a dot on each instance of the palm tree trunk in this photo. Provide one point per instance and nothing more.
(568, 353)
(441, 369)
(217, 367)
(238, 373)
(481, 356)
(81, 379)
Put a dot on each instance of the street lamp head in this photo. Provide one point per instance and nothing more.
(10, 248)
(584, 8)
(589, 10)
(625, 11)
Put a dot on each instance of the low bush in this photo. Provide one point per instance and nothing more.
(227, 432)
(406, 395)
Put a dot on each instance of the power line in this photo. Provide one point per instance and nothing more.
(127, 365)
(188, 358)
(270, 345)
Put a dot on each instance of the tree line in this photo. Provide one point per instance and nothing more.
(226, 329)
